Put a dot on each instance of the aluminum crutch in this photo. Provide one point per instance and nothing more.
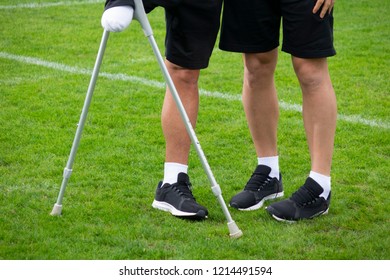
(141, 17)
(57, 209)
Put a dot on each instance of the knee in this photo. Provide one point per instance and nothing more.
(188, 77)
(259, 66)
(183, 76)
(311, 73)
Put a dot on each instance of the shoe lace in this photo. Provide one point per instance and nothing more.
(184, 189)
(304, 196)
(257, 182)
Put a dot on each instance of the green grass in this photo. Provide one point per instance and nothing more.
(107, 210)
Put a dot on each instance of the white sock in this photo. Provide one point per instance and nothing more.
(323, 181)
(273, 163)
(171, 170)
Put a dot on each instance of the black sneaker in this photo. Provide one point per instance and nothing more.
(305, 203)
(259, 188)
(178, 199)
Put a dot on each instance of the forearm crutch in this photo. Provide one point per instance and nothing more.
(57, 209)
(140, 16)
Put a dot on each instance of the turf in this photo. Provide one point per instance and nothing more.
(46, 55)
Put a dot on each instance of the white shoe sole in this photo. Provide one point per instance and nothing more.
(260, 204)
(294, 221)
(171, 209)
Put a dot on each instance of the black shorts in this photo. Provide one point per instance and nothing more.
(252, 26)
(191, 28)
(191, 31)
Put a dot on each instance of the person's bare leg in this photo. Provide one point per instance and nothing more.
(260, 101)
(319, 116)
(319, 111)
(174, 194)
(262, 112)
(177, 140)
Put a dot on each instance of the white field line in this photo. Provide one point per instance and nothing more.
(147, 82)
(50, 4)
(18, 80)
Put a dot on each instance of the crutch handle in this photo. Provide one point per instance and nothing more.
(140, 15)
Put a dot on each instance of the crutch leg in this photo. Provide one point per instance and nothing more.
(140, 16)
(57, 209)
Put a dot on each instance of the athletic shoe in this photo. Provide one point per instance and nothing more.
(260, 187)
(178, 199)
(306, 203)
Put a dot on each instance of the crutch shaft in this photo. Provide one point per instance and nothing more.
(57, 209)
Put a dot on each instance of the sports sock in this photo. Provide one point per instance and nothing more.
(171, 170)
(273, 163)
(323, 181)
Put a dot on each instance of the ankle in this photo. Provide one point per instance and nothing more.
(324, 181)
(172, 170)
(273, 163)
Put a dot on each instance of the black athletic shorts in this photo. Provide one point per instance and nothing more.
(191, 29)
(252, 26)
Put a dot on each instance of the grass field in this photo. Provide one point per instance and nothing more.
(47, 52)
